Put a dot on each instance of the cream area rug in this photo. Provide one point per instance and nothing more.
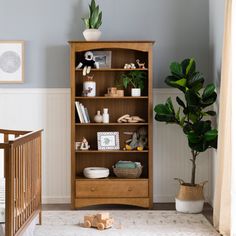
(127, 223)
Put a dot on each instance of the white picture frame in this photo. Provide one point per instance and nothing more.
(108, 140)
(11, 62)
(103, 58)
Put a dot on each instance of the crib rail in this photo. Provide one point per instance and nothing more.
(22, 160)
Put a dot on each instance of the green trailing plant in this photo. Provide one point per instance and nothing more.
(95, 17)
(134, 78)
(193, 112)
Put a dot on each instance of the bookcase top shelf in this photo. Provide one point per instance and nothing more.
(119, 41)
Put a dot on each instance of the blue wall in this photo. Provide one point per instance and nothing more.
(179, 27)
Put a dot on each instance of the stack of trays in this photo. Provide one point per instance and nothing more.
(96, 172)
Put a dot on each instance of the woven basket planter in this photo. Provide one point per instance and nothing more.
(128, 173)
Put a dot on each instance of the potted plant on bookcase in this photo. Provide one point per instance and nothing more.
(135, 79)
(192, 117)
(92, 23)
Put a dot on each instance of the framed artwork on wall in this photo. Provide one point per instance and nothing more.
(11, 61)
(108, 140)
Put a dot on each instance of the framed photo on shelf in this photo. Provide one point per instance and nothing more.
(11, 61)
(103, 58)
(108, 140)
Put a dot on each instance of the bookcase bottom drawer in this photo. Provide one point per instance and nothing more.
(112, 188)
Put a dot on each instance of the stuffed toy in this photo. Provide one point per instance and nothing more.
(87, 63)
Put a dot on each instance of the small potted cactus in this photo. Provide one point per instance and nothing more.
(92, 23)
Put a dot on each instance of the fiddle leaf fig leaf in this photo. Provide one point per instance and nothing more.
(176, 69)
(208, 91)
(180, 102)
(211, 113)
(191, 67)
(211, 135)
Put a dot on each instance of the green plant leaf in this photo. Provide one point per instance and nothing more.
(211, 135)
(193, 137)
(86, 23)
(208, 91)
(99, 21)
(202, 127)
(169, 104)
(211, 113)
(196, 81)
(180, 102)
(191, 67)
(176, 69)
(164, 114)
(176, 83)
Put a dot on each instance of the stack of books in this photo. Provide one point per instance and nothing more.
(82, 113)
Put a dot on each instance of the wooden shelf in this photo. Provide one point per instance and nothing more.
(114, 69)
(82, 178)
(110, 124)
(103, 97)
(110, 151)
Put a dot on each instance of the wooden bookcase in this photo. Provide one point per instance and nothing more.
(112, 190)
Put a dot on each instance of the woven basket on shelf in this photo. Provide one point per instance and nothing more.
(128, 173)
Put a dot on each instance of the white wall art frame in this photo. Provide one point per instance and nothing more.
(103, 58)
(108, 141)
(11, 61)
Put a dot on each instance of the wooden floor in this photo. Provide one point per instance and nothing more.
(207, 211)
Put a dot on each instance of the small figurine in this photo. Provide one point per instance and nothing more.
(87, 63)
(84, 144)
(138, 141)
(140, 65)
(100, 221)
(129, 66)
(114, 92)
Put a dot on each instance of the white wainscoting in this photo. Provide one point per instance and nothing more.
(30, 109)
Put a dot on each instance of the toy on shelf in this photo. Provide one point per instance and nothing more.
(100, 221)
(87, 63)
(140, 65)
(129, 66)
(130, 119)
(138, 141)
(82, 145)
(114, 92)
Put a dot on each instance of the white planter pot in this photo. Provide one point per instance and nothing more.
(189, 206)
(92, 34)
(90, 87)
(135, 92)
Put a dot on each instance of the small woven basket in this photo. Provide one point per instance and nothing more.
(128, 173)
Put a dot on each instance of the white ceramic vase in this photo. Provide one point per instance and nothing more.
(92, 34)
(135, 92)
(90, 87)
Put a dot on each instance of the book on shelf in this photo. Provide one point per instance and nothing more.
(82, 113)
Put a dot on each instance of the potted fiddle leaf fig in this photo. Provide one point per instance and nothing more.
(135, 79)
(192, 116)
(92, 23)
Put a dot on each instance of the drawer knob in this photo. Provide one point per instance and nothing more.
(92, 189)
(130, 189)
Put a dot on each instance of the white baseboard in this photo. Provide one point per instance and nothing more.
(56, 200)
